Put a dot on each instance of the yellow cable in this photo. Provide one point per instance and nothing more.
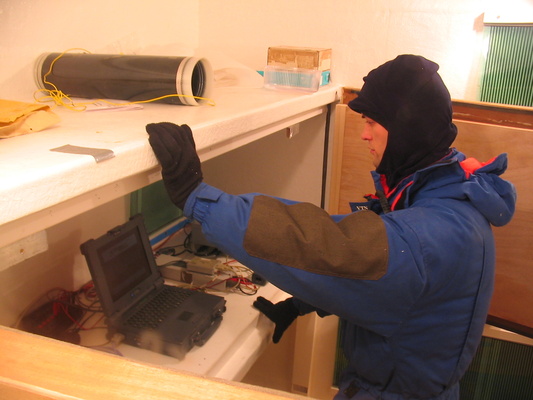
(58, 97)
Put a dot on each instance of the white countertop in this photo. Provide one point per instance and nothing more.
(242, 336)
(238, 342)
(39, 188)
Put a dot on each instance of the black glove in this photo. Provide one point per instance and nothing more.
(282, 314)
(174, 147)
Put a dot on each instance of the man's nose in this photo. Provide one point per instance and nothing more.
(366, 133)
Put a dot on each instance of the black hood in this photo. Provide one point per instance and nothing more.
(408, 98)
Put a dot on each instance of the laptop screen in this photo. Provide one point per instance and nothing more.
(126, 265)
(122, 266)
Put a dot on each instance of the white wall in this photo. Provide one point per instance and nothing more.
(62, 266)
(29, 28)
(362, 33)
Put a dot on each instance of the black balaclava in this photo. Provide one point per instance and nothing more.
(409, 99)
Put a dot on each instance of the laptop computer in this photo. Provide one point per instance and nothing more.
(134, 296)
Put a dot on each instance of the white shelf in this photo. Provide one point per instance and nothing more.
(40, 188)
(235, 346)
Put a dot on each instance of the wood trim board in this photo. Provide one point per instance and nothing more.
(511, 305)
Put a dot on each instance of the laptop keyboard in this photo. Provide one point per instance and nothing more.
(156, 310)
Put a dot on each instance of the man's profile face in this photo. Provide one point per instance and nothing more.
(376, 137)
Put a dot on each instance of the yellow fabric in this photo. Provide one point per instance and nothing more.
(20, 118)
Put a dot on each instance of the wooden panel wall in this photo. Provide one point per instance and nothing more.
(484, 132)
(38, 368)
(513, 297)
(351, 162)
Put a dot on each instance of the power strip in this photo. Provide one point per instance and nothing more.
(173, 272)
(204, 266)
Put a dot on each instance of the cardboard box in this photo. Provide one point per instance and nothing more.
(299, 57)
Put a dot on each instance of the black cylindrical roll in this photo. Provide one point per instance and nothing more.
(126, 77)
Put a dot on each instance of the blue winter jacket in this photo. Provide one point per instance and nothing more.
(412, 287)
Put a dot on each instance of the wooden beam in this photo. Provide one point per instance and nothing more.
(486, 113)
(36, 368)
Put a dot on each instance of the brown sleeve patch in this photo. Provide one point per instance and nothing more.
(304, 236)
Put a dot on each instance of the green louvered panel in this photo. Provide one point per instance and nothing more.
(508, 75)
(153, 202)
(340, 360)
(501, 370)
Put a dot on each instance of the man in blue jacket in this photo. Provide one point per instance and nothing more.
(410, 273)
